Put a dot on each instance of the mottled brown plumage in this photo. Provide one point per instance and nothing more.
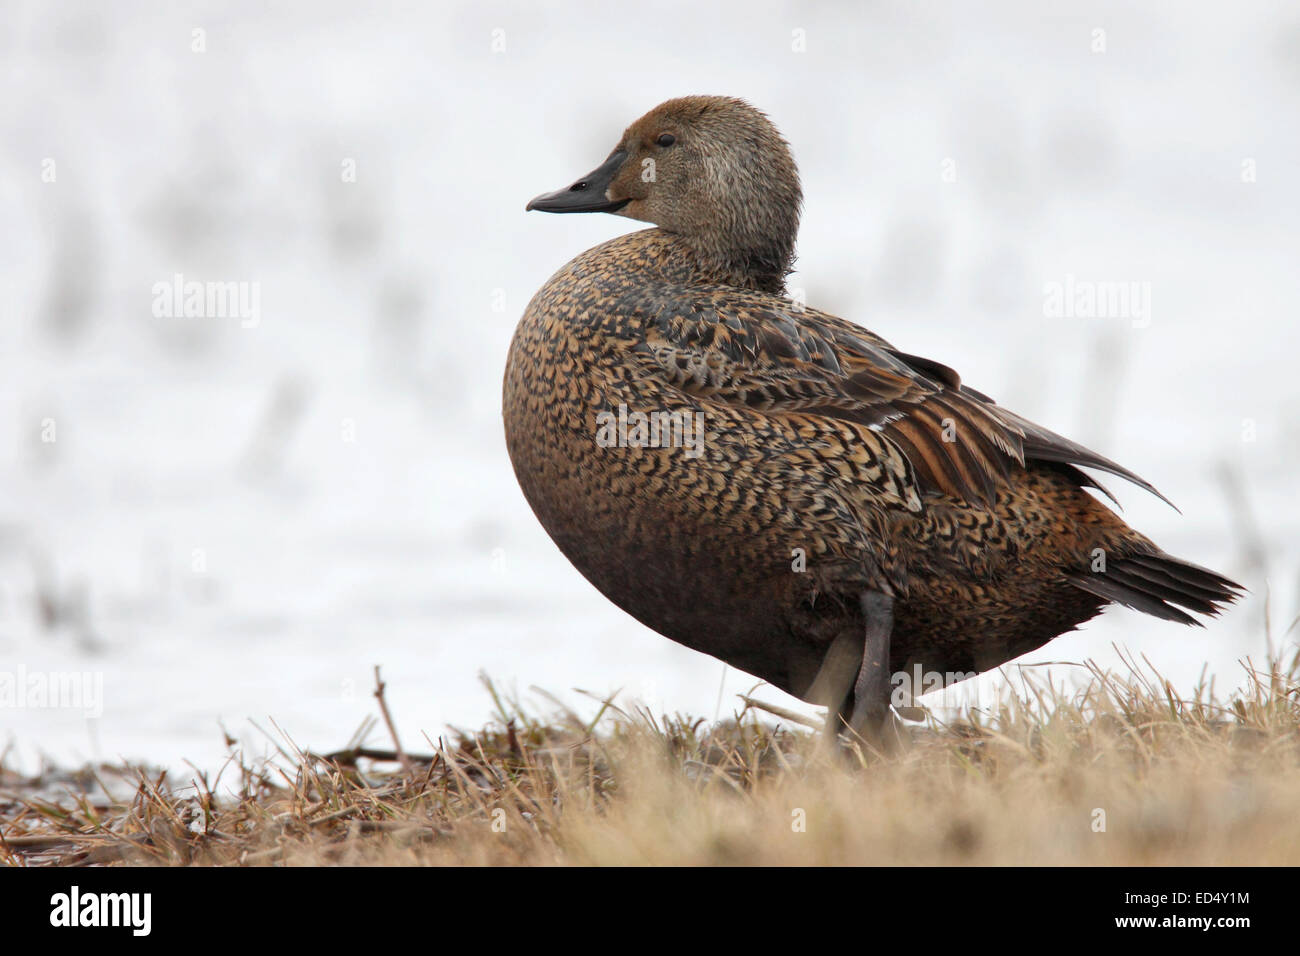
(852, 509)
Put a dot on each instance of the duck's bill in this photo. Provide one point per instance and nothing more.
(588, 194)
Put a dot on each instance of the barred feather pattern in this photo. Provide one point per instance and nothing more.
(831, 464)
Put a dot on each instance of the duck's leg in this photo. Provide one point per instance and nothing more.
(871, 715)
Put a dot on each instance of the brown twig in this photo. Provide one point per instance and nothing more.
(782, 712)
(407, 766)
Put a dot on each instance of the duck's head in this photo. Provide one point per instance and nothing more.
(710, 169)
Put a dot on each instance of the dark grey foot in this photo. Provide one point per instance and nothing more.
(870, 716)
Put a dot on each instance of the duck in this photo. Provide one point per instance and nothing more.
(776, 486)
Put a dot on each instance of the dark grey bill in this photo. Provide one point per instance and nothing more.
(588, 193)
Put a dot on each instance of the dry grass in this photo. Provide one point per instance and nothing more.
(1180, 781)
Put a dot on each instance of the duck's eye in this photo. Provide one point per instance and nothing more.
(666, 139)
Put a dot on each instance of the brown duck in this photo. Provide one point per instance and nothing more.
(779, 487)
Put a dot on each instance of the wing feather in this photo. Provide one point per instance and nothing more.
(751, 350)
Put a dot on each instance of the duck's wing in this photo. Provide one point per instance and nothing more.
(772, 356)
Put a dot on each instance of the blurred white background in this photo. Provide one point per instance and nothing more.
(202, 532)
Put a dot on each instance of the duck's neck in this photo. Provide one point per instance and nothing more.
(744, 237)
(676, 258)
(761, 266)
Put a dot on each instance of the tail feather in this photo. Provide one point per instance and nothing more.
(1161, 585)
(1200, 594)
